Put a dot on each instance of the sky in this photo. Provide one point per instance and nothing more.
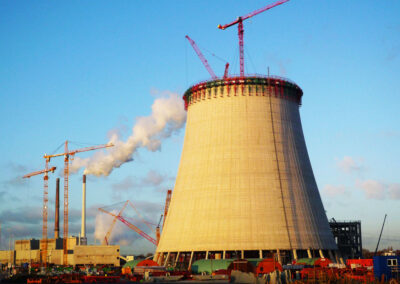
(84, 71)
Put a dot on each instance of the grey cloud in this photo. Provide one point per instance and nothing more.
(126, 184)
(394, 191)
(350, 165)
(153, 178)
(25, 215)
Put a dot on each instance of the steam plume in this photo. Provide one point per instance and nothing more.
(168, 116)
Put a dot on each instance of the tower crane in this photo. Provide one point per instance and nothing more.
(45, 201)
(202, 58)
(239, 21)
(68, 154)
(106, 240)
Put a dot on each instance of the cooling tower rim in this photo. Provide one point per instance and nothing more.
(256, 79)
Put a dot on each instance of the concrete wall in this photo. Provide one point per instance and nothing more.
(7, 256)
(23, 256)
(245, 180)
(97, 255)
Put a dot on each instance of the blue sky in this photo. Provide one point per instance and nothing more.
(79, 70)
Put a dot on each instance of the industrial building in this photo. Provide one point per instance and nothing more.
(28, 251)
(347, 236)
(245, 186)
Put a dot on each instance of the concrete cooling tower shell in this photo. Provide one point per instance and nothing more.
(245, 186)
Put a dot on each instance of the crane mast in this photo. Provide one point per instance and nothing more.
(239, 22)
(65, 224)
(45, 209)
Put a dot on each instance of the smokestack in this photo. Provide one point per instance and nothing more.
(83, 227)
(57, 217)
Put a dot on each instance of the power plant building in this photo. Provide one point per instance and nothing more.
(245, 186)
(27, 251)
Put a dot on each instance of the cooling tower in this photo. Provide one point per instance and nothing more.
(245, 187)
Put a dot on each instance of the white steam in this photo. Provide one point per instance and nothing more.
(102, 226)
(168, 116)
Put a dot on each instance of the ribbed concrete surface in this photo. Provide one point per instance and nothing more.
(230, 192)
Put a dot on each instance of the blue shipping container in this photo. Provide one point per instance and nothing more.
(387, 265)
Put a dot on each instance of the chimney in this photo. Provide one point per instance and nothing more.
(83, 227)
(57, 217)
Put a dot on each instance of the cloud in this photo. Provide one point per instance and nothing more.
(24, 231)
(389, 134)
(349, 165)
(394, 191)
(16, 172)
(15, 167)
(332, 190)
(126, 184)
(153, 178)
(3, 196)
(25, 215)
(372, 189)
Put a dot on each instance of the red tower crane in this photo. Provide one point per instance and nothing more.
(202, 58)
(45, 202)
(239, 21)
(67, 155)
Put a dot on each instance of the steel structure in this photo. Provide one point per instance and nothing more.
(69, 154)
(45, 209)
(347, 235)
(239, 22)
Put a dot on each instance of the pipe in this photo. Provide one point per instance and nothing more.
(83, 227)
(57, 217)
